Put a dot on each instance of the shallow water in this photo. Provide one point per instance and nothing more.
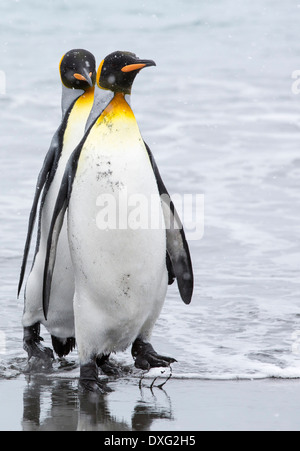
(220, 116)
(43, 404)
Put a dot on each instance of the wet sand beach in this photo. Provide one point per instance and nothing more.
(40, 404)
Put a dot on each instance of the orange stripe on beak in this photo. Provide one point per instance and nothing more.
(132, 67)
(80, 77)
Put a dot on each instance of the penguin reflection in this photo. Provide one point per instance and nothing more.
(56, 405)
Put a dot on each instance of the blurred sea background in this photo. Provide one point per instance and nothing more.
(221, 114)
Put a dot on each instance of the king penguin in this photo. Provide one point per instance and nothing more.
(121, 271)
(78, 75)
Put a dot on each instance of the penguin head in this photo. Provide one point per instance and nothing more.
(118, 71)
(78, 69)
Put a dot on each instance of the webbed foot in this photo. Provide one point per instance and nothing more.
(145, 357)
(89, 381)
(32, 345)
(107, 367)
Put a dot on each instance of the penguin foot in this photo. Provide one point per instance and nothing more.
(107, 367)
(31, 344)
(89, 381)
(145, 357)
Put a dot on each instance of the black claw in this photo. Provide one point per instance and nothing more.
(110, 369)
(166, 359)
(142, 363)
(31, 344)
(89, 381)
(145, 357)
(106, 366)
(38, 351)
(102, 360)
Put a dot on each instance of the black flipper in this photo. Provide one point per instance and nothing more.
(171, 275)
(42, 178)
(177, 246)
(54, 232)
(44, 181)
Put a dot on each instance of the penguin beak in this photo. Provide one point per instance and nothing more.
(138, 66)
(86, 77)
